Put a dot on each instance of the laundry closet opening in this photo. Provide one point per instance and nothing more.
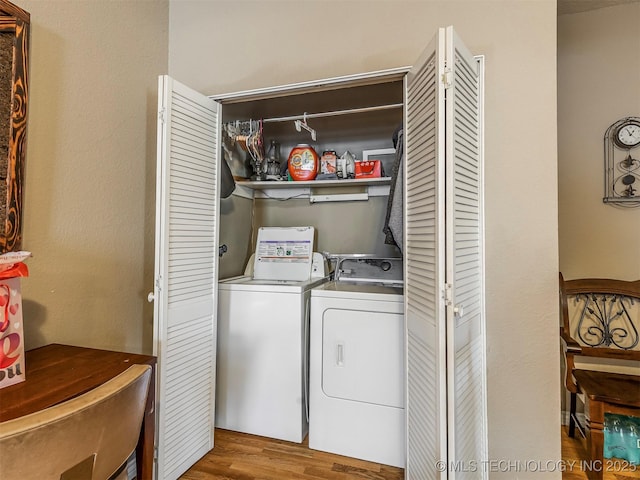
(295, 354)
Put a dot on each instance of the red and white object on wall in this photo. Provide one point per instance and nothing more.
(12, 367)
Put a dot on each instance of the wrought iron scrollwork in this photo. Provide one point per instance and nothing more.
(605, 321)
(621, 169)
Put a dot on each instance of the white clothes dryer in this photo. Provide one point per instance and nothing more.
(356, 395)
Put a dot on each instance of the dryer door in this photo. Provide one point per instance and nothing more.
(362, 355)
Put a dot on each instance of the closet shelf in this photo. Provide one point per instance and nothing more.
(316, 190)
(268, 185)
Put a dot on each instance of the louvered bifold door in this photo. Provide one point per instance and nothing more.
(424, 266)
(186, 272)
(465, 335)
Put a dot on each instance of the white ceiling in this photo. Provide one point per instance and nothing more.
(577, 6)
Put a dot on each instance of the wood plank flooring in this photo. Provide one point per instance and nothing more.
(573, 450)
(238, 456)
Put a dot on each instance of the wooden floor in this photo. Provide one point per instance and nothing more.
(239, 456)
(573, 451)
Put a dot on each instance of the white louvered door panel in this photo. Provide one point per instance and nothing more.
(186, 273)
(424, 266)
(465, 308)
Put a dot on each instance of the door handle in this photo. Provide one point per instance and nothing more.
(340, 355)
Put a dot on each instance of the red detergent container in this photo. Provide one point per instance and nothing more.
(303, 163)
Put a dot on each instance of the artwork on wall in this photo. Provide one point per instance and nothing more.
(622, 163)
(14, 93)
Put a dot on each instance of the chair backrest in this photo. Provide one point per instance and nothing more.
(600, 324)
(86, 438)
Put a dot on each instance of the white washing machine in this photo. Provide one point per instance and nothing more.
(356, 396)
(263, 335)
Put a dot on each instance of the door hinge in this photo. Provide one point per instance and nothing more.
(161, 115)
(447, 78)
(159, 284)
(447, 294)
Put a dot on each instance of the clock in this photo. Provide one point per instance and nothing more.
(627, 134)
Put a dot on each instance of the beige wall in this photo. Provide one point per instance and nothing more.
(598, 83)
(90, 176)
(224, 46)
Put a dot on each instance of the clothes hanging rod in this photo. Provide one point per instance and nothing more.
(334, 113)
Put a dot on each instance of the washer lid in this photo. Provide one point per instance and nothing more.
(249, 284)
(284, 253)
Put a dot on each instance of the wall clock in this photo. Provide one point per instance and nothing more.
(627, 135)
(622, 162)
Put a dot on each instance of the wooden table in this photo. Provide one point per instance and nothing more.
(56, 373)
(605, 393)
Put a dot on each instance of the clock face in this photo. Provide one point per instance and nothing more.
(628, 135)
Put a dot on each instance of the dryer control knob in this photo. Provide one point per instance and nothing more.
(385, 266)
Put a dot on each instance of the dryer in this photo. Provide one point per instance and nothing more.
(357, 371)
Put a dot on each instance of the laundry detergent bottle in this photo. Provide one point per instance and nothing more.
(303, 163)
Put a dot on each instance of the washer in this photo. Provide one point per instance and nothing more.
(263, 335)
(357, 363)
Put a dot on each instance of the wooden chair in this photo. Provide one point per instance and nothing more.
(600, 324)
(87, 438)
